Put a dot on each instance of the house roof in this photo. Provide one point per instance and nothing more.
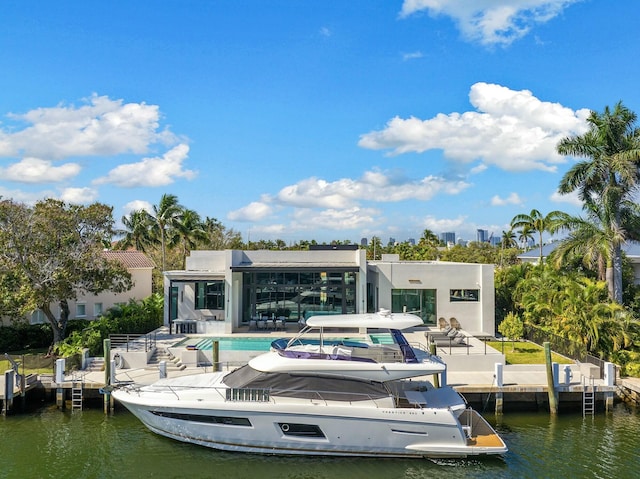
(131, 259)
(631, 249)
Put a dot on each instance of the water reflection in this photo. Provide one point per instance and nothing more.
(50, 443)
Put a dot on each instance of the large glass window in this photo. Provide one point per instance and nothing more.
(421, 302)
(210, 294)
(298, 294)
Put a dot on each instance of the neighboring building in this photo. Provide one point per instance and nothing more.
(631, 250)
(92, 306)
(482, 236)
(448, 237)
(223, 290)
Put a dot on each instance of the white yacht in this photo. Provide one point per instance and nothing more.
(359, 395)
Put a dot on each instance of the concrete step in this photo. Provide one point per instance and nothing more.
(96, 364)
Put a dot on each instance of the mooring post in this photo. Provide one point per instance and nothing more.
(9, 378)
(60, 366)
(215, 355)
(106, 346)
(499, 380)
(609, 380)
(436, 378)
(553, 395)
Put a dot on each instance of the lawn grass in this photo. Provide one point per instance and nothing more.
(33, 363)
(524, 352)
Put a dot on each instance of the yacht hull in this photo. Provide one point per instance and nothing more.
(326, 430)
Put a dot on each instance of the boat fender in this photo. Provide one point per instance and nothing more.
(119, 360)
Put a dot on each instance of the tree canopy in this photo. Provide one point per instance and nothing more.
(607, 181)
(51, 253)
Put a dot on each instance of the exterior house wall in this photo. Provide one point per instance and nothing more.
(476, 316)
(142, 288)
(140, 268)
(385, 276)
(204, 265)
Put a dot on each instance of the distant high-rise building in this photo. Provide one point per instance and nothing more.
(392, 241)
(364, 242)
(482, 236)
(448, 237)
(411, 241)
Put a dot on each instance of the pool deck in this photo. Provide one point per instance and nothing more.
(470, 368)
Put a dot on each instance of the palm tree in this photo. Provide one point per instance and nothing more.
(508, 241)
(188, 229)
(607, 178)
(165, 215)
(137, 233)
(535, 222)
(525, 235)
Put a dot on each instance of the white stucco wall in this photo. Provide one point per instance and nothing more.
(475, 316)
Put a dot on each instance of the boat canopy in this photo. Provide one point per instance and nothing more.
(383, 320)
(307, 386)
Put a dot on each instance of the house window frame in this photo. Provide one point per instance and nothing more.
(461, 295)
(82, 306)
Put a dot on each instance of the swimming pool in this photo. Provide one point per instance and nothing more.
(234, 344)
(240, 343)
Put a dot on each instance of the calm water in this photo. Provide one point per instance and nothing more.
(88, 444)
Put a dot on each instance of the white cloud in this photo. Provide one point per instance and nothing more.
(254, 211)
(411, 56)
(512, 130)
(570, 198)
(137, 205)
(512, 199)
(325, 32)
(443, 224)
(100, 127)
(158, 171)
(28, 197)
(35, 170)
(354, 218)
(79, 196)
(491, 22)
(346, 192)
(272, 229)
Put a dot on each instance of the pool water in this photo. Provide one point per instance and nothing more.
(264, 343)
(236, 344)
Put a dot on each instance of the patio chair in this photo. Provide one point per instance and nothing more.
(281, 323)
(253, 324)
(454, 323)
(442, 323)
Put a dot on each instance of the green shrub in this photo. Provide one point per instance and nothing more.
(23, 336)
(135, 317)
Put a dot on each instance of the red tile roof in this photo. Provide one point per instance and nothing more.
(130, 258)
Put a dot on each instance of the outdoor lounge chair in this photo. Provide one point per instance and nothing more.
(455, 340)
(442, 323)
(454, 323)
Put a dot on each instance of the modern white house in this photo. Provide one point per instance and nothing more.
(224, 291)
(92, 306)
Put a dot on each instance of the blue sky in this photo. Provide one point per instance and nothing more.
(317, 119)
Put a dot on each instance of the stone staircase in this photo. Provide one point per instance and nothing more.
(161, 354)
(96, 364)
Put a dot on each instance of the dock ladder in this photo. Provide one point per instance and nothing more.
(76, 395)
(589, 399)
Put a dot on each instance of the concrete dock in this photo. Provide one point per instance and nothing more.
(471, 370)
